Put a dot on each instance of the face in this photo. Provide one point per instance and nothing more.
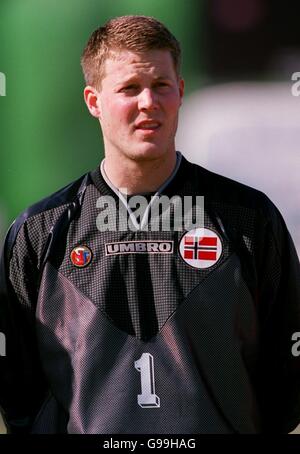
(138, 104)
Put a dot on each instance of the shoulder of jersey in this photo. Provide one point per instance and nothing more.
(224, 189)
(63, 196)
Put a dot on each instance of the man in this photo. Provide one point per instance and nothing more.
(115, 326)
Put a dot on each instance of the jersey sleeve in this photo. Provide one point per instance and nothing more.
(279, 308)
(22, 386)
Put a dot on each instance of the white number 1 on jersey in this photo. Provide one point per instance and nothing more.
(148, 398)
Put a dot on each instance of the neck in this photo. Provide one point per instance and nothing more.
(139, 176)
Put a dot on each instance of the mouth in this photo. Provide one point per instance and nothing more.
(148, 126)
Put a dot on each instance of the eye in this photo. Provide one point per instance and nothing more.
(129, 88)
(162, 85)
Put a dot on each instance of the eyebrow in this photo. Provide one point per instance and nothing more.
(133, 78)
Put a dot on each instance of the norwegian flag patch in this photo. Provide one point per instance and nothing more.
(200, 248)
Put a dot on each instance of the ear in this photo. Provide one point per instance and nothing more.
(181, 89)
(91, 97)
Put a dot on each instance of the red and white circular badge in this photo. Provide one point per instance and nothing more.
(200, 248)
(81, 256)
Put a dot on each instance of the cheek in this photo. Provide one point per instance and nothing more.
(118, 112)
(172, 104)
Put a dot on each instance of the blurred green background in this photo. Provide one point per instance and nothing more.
(48, 138)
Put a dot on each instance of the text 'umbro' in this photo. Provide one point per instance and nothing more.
(135, 247)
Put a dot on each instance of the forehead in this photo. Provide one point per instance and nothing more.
(124, 63)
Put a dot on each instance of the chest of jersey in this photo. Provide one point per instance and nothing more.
(144, 321)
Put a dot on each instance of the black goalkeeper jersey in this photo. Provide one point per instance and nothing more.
(150, 331)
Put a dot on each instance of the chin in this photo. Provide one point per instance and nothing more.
(148, 153)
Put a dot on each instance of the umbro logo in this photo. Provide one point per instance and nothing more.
(139, 247)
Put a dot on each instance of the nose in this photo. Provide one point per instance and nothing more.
(147, 100)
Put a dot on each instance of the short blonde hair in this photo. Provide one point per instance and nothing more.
(133, 33)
